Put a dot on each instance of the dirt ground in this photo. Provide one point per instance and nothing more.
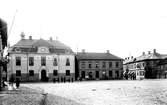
(115, 92)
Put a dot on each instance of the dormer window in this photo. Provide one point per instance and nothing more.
(17, 49)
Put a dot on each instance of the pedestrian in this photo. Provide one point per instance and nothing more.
(17, 83)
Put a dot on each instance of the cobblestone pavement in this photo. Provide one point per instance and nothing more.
(29, 96)
(116, 92)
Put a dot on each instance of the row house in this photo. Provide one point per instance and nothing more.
(144, 66)
(41, 60)
(95, 66)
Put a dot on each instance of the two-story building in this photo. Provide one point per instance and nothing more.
(41, 60)
(95, 66)
(144, 66)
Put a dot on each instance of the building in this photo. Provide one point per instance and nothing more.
(3, 44)
(96, 66)
(162, 69)
(144, 66)
(41, 60)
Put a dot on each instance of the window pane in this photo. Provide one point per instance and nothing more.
(31, 61)
(31, 72)
(55, 62)
(18, 61)
(18, 72)
(83, 74)
(97, 64)
(97, 74)
(83, 64)
(43, 61)
(104, 64)
(55, 73)
(67, 72)
(110, 73)
(67, 62)
(117, 64)
(110, 64)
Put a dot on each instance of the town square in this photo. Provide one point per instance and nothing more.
(74, 52)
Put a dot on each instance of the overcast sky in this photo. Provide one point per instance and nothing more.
(125, 27)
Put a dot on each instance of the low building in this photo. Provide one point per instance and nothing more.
(41, 60)
(144, 66)
(96, 66)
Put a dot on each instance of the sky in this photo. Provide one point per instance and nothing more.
(125, 27)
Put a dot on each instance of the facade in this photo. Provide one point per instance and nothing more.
(3, 44)
(162, 69)
(96, 66)
(41, 60)
(144, 66)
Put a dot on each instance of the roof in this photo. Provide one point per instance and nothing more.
(151, 56)
(97, 56)
(29, 43)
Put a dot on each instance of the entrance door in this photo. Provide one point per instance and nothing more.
(43, 75)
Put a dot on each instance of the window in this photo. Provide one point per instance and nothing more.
(83, 64)
(67, 72)
(43, 61)
(83, 74)
(18, 61)
(104, 64)
(97, 64)
(110, 73)
(90, 65)
(117, 64)
(31, 72)
(55, 73)
(55, 62)
(117, 74)
(18, 72)
(97, 74)
(31, 61)
(110, 64)
(67, 62)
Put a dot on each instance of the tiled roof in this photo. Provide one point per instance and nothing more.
(27, 43)
(94, 56)
(151, 56)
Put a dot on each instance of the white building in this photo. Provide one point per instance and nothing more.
(41, 60)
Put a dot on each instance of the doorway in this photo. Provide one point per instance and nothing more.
(43, 75)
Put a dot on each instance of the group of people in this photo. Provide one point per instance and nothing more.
(129, 75)
(13, 83)
(62, 80)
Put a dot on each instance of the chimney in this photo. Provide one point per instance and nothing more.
(149, 52)
(51, 39)
(143, 53)
(128, 57)
(125, 58)
(30, 37)
(83, 50)
(108, 51)
(154, 51)
(22, 35)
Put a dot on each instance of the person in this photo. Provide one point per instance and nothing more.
(17, 83)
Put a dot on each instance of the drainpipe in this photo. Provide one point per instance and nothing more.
(27, 66)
